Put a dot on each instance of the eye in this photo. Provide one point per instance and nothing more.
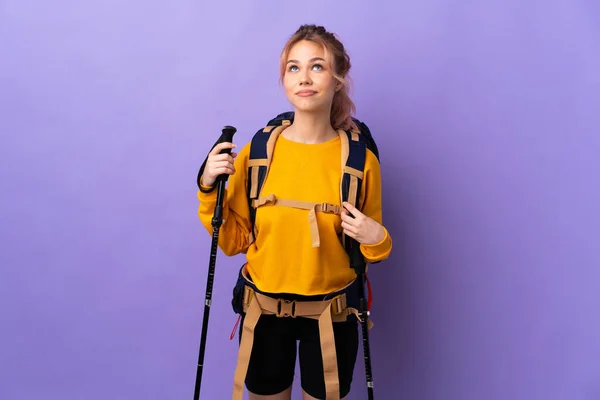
(318, 67)
(293, 68)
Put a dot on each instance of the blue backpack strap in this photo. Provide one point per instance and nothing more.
(353, 173)
(261, 152)
(257, 171)
(366, 134)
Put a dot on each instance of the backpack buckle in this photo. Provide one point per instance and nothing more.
(338, 304)
(247, 295)
(329, 208)
(286, 308)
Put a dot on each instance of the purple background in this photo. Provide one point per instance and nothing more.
(488, 119)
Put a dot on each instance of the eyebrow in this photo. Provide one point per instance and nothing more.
(311, 60)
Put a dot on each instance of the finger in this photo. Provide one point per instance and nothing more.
(219, 170)
(349, 228)
(353, 210)
(223, 170)
(218, 164)
(349, 206)
(347, 218)
(221, 157)
(222, 146)
(349, 233)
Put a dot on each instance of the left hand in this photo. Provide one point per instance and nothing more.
(362, 228)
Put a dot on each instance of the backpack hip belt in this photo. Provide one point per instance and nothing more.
(333, 309)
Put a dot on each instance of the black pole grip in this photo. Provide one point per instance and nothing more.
(226, 137)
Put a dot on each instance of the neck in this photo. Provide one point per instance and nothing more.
(310, 128)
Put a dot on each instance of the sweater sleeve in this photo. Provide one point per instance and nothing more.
(234, 233)
(372, 207)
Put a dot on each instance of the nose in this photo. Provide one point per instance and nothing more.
(305, 79)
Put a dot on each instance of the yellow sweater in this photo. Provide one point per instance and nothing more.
(282, 259)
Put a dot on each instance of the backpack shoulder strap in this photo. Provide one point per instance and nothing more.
(261, 153)
(354, 153)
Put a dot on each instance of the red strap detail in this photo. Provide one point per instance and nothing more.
(235, 328)
(370, 292)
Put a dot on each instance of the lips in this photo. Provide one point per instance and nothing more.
(306, 93)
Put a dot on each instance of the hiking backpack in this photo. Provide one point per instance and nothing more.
(356, 143)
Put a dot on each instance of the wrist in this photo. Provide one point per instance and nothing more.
(380, 235)
(204, 187)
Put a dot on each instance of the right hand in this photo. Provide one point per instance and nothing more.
(218, 164)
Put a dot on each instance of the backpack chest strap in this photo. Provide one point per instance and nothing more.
(313, 208)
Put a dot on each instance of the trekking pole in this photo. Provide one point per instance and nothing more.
(357, 262)
(217, 221)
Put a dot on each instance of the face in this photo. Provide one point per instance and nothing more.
(308, 80)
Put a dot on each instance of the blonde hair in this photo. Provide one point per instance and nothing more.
(342, 107)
